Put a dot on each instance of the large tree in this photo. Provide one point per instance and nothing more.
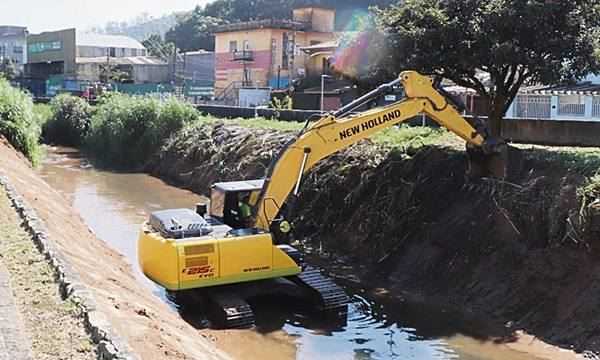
(156, 46)
(194, 31)
(511, 41)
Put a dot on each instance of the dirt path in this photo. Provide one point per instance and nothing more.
(14, 344)
(54, 326)
(150, 327)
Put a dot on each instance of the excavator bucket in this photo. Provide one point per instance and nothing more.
(495, 159)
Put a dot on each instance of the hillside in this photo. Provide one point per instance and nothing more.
(140, 28)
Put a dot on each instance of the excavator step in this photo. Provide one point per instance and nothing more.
(231, 311)
(328, 296)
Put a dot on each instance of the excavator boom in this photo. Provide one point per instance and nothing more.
(339, 130)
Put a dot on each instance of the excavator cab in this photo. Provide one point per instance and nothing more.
(231, 201)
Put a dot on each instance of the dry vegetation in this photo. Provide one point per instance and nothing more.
(53, 325)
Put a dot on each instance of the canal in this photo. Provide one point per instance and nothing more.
(114, 204)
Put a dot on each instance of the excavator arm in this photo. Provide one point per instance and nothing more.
(339, 130)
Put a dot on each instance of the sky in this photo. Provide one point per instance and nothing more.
(47, 15)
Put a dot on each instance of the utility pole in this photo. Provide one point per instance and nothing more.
(278, 77)
(323, 77)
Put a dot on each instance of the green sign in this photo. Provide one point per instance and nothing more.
(40, 47)
(199, 91)
(54, 85)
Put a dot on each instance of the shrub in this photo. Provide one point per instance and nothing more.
(127, 130)
(43, 114)
(18, 121)
(70, 121)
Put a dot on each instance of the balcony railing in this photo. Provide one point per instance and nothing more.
(243, 55)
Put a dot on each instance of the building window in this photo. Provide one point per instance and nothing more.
(44, 46)
(232, 46)
(17, 49)
(112, 52)
(285, 44)
(246, 45)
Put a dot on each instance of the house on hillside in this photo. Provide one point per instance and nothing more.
(266, 54)
(68, 61)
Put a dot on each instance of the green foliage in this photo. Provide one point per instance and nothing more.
(43, 114)
(194, 31)
(412, 136)
(284, 103)
(127, 130)
(514, 41)
(585, 161)
(158, 47)
(8, 69)
(18, 122)
(113, 73)
(70, 121)
(262, 123)
(244, 10)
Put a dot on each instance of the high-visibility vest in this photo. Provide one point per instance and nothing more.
(245, 210)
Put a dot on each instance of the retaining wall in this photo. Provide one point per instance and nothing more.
(552, 132)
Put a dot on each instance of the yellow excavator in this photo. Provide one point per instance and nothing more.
(222, 247)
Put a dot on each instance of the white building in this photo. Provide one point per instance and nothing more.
(13, 45)
(580, 101)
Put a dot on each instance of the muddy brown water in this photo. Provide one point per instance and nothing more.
(114, 204)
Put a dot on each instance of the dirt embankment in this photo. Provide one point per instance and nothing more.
(152, 329)
(521, 252)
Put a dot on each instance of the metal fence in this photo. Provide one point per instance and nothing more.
(596, 107)
(570, 106)
(533, 106)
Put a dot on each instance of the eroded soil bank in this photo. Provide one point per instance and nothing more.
(150, 327)
(523, 252)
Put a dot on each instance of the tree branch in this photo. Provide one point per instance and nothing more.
(521, 76)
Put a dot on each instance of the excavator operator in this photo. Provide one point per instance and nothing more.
(244, 209)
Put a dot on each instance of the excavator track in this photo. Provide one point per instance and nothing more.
(231, 311)
(327, 295)
(224, 307)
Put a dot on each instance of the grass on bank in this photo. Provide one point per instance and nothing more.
(55, 325)
(403, 135)
(127, 130)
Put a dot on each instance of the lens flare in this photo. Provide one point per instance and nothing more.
(352, 56)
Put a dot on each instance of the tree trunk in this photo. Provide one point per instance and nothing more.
(495, 116)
